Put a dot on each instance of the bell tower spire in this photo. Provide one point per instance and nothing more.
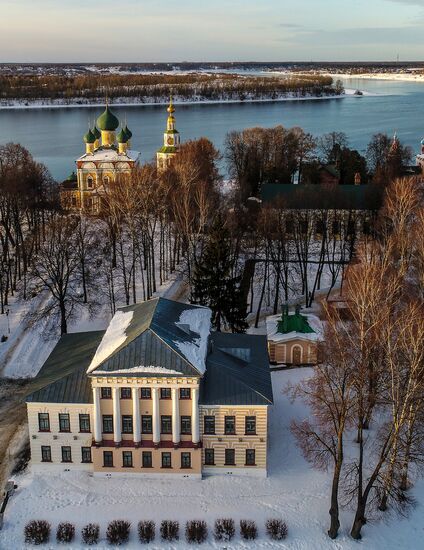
(171, 140)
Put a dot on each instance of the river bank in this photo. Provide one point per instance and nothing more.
(394, 77)
(134, 102)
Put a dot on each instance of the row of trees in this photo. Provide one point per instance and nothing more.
(256, 156)
(149, 225)
(155, 223)
(156, 87)
(369, 387)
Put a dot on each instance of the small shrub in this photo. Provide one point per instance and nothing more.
(224, 529)
(3, 338)
(90, 534)
(276, 529)
(65, 532)
(169, 530)
(118, 531)
(146, 531)
(37, 531)
(248, 529)
(196, 531)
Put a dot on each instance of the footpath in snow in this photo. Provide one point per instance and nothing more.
(293, 491)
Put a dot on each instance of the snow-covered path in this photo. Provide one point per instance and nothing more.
(292, 491)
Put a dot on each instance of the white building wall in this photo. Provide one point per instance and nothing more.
(56, 439)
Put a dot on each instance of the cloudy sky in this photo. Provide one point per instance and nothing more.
(213, 30)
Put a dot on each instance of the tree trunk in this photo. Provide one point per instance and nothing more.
(334, 508)
(358, 522)
(63, 323)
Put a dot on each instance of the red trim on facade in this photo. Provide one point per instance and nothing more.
(147, 444)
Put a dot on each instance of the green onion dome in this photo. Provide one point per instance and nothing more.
(89, 137)
(96, 132)
(128, 132)
(72, 177)
(122, 136)
(107, 121)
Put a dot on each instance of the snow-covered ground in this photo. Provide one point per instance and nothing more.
(292, 491)
(28, 347)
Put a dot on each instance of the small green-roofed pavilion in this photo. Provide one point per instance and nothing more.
(293, 323)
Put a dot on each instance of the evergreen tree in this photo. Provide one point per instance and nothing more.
(215, 285)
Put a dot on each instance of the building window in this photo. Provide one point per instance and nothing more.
(230, 457)
(186, 425)
(125, 393)
(64, 423)
(43, 422)
(106, 393)
(250, 457)
(146, 458)
(107, 424)
(106, 180)
(127, 424)
(209, 457)
(46, 453)
(146, 424)
(107, 459)
(250, 425)
(127, 459)
(166, 460)
(230, 425)
(165, 393)
(66, 454)
(146, 393)
(166, 424)
(85, 454)
(209, 425)
(185, 393)
(185, 460)
(89, 182)
(84, 423)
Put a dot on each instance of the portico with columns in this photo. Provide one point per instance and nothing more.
(125, 398)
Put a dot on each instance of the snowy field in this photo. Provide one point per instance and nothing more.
(293, 491)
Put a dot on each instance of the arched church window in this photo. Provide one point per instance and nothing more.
(90, 182)
(106, 180)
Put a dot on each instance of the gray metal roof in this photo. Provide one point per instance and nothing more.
(237, 365)
(237, 371)
(62, 378)
(151, 340)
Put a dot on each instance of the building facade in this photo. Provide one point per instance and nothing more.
(293, 339)
(108, 156)
(157, 394)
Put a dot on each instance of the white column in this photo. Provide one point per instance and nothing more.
(156, 418)
(195, 429)
(136, 416)
(97, 416)
(175, 417)
(116, 416)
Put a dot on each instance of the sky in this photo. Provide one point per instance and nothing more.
(210, 30)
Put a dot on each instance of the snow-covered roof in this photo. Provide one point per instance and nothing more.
(158, 337)
(110, 154)
(275, 336)
(113, 338)
(199, 322)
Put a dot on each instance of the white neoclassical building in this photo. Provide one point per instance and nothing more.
(156, 394)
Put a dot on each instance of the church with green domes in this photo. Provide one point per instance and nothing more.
(109, 156)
